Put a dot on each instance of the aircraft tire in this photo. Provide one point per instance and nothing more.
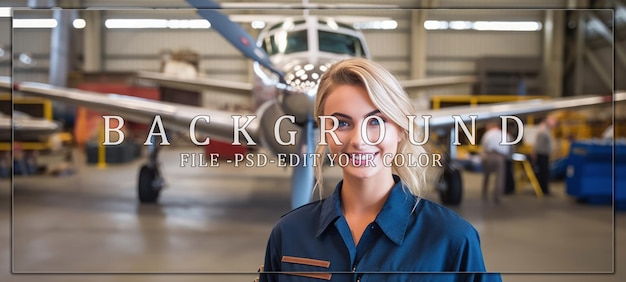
(451, 187)
(145, 188)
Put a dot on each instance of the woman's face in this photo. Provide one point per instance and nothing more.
(351, 106)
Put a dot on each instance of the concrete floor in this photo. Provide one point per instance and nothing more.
(89, 227)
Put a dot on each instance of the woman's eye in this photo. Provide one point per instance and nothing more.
(343, 123)
(376, 121)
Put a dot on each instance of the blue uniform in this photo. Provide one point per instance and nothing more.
(410, 234)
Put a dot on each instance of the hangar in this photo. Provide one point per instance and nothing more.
(79, 208)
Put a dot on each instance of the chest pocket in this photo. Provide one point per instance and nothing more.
(305, 269)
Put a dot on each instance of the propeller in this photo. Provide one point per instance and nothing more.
(303, 178)
(234, 33)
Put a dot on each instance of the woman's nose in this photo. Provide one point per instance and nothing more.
(356, 138)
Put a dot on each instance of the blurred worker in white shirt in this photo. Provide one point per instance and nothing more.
(542, 150)
(608, 133)
(493, 160)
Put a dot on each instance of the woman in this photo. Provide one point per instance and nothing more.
(375, 222)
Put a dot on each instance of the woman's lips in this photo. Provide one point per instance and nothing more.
(361, 158)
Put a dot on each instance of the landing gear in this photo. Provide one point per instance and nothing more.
(149, 185)
(150, 182)
(451, 186)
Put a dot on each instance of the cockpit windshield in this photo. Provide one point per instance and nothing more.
(283, 42)
(286, 42)
(340, 44)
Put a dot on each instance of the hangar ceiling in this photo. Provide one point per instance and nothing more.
(411, 4)
(602, 30)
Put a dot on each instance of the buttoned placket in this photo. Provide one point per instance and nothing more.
(371, 234)
(389, 225)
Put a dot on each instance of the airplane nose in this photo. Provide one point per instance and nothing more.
(304, 77)
(299, 99)
(298, 103)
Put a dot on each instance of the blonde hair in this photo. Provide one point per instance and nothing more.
(390, 98)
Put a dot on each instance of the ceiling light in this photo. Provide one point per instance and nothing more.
(507, 26)
(79, 23)
(135, 23)
(34, 23)
(5, 12)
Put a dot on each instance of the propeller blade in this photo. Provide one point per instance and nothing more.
(303, 176)
(234, 33)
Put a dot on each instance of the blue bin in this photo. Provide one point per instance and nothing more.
(620, 174)
(590, 170)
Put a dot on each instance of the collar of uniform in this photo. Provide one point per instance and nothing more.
(393, 218)
(331, 210)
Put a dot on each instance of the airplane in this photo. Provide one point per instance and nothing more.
(289, 58)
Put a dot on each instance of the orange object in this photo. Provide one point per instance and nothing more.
(89, 121)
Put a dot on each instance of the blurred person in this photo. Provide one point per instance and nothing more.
(509, 173)
(494, 156)
(608, 133)
(542, 150)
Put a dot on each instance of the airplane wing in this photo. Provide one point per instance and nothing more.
(174, 116)
(221, 122)
(242, 88)
(443, 118)
(437, 82)
(197, 83)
